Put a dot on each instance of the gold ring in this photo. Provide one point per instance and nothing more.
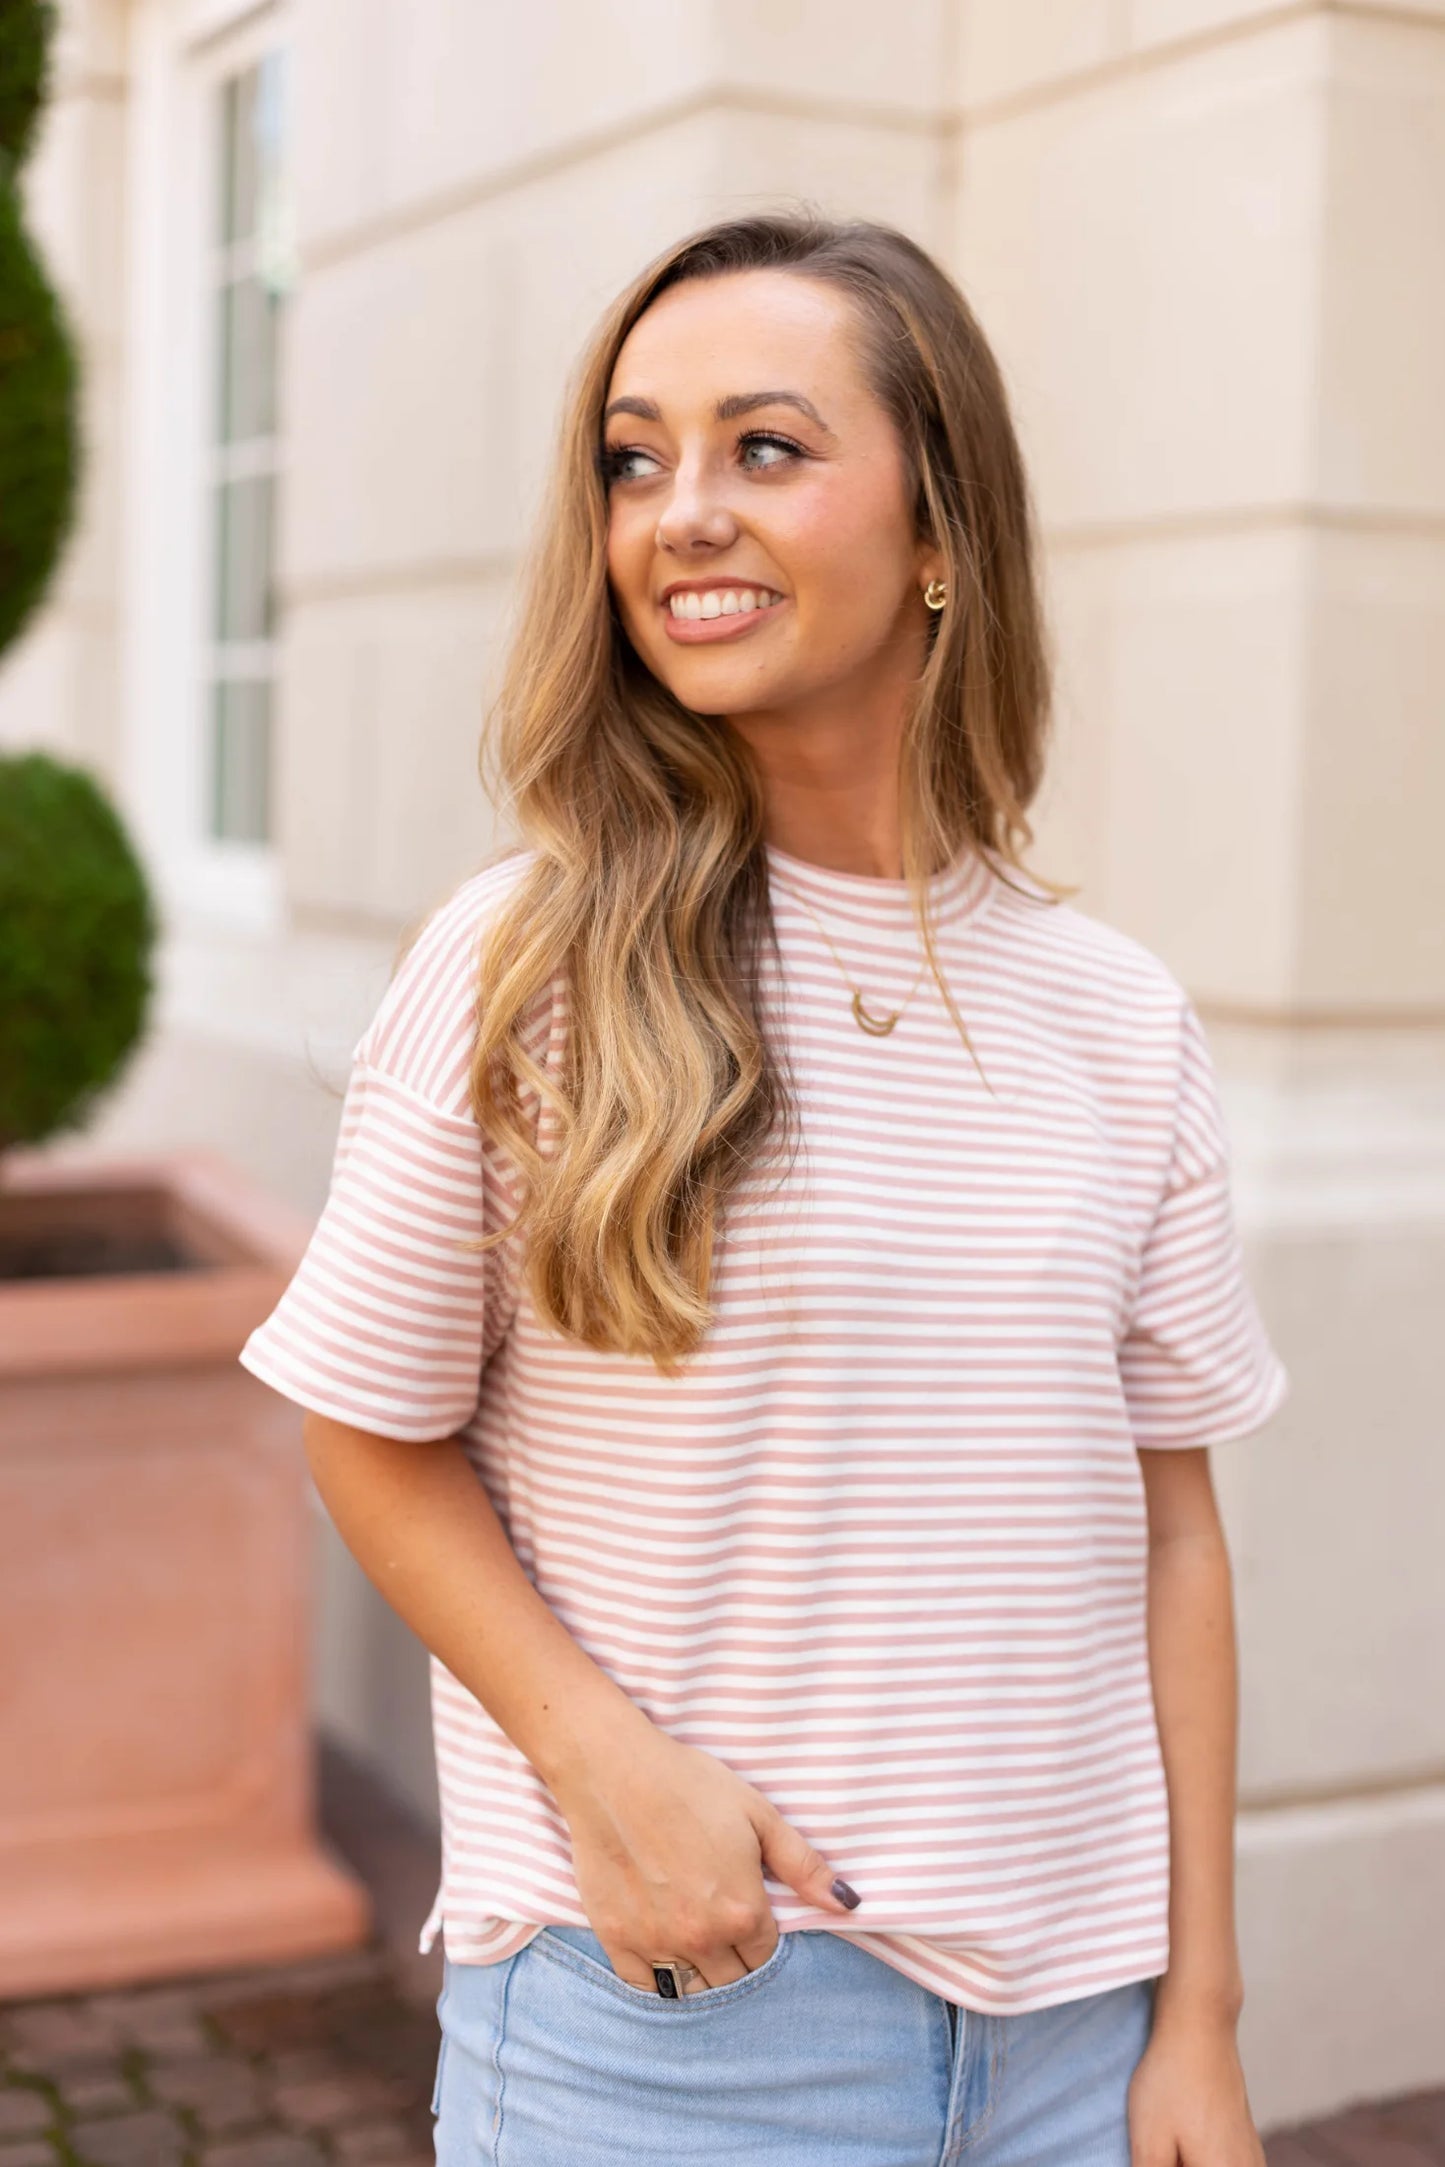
(672, 1977)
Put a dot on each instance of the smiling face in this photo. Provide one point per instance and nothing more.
(761, 547)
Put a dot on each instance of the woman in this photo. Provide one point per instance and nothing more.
(776, 1294)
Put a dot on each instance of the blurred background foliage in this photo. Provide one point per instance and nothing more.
(39, 373)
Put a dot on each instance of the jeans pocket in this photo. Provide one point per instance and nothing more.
(591, 1962)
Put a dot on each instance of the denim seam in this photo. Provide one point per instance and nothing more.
(997, 2056)
(957, 2094)
(497, 2064)
(955, 2061)
(436, 2090)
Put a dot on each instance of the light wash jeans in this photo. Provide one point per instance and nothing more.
(823, 2057)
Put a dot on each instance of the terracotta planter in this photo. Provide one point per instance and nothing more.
(155, 1543)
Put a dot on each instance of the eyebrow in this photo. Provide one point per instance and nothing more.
(728, 409)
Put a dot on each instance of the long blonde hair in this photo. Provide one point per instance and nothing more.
(649, 889)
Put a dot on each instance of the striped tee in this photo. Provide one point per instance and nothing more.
(881, 1546)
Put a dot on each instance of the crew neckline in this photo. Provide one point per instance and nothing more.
(960, 891)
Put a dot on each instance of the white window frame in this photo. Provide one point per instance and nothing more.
(183, 50)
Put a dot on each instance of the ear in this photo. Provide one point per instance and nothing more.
(930, 564)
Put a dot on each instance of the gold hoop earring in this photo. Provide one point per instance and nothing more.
(935, 594)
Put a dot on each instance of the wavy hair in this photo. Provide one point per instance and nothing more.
(648, 890)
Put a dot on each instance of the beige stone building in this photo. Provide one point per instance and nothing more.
(331, 260)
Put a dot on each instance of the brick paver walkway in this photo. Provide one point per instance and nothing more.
(297, 2067)
(1402, 2133)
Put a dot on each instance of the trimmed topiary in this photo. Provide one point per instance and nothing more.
(76, 926)
(39, 466)
(26, 28)
(39, 375)
(77, 934)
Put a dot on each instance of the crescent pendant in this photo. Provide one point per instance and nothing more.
(875, 1026)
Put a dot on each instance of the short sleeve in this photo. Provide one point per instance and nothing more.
(390, 1316)
(1196, 1363)
(381, 1325)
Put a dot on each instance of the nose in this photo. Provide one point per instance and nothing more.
(696, 515)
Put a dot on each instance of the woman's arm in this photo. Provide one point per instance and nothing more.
(1188, 2099)
(424, 1532)
(668, 1843)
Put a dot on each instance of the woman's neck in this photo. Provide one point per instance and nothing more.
(820, 835)
(830, 791)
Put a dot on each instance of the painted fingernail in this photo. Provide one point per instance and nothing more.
(845, 1895)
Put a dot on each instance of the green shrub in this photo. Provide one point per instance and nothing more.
(77, 933)
(26, 28)
(39, 463)
(76, 924)
(40, 454)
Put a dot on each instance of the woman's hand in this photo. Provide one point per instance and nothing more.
(668, 1851)
(1187, 2102)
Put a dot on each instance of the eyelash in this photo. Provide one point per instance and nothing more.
(613, 457)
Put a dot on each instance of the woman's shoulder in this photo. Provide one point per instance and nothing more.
(1080, 964)
(423, 1028)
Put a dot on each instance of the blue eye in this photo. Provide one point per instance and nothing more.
(756, 438)
(614, 462)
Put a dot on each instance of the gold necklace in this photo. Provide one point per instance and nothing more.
(875, 1026)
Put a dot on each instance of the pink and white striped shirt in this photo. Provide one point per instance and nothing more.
(881, 1546)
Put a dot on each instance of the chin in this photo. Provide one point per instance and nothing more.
(718, 690)
(726, 702)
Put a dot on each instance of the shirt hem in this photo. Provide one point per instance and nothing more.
(337, 1410)
(911, 1955)
(1246, 1421)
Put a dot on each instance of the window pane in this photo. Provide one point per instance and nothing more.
(269, 127)
(239, 175)
(245, 607)
(248, 360)
(252, 279)
(240, 760)
(253, 121)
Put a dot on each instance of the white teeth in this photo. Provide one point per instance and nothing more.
(721, 601)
